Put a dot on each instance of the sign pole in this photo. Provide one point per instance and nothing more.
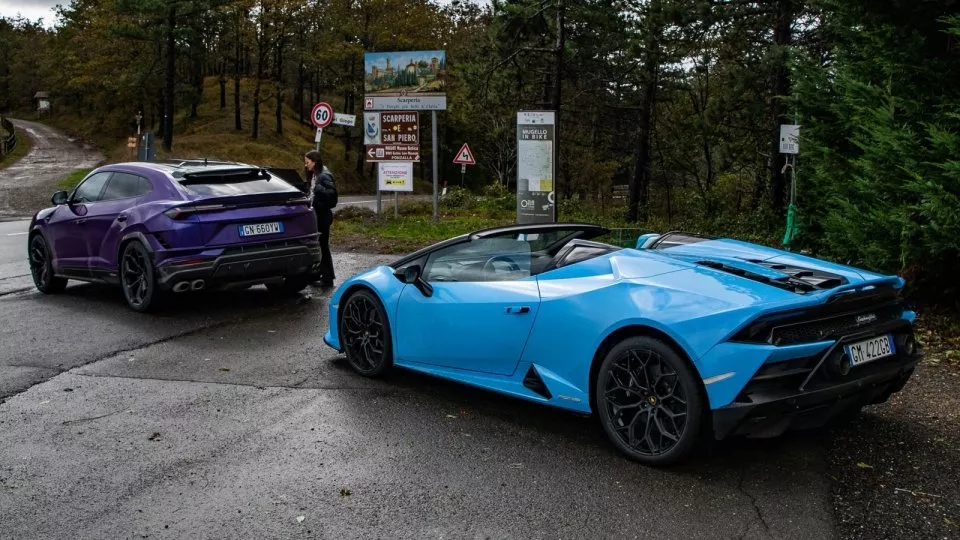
(396, 203)
(436, 172)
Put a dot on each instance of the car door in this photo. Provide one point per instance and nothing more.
(106, 219)
(67, 229)
(481, 310)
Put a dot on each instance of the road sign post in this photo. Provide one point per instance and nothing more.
(790, 146)
(464, 157)
(321, 116)
(536, 173)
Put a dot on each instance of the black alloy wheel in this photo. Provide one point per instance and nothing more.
(649, 402)
(41, 267)
(137, 278)
(365, 333)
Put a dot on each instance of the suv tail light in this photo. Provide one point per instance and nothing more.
(182, 213)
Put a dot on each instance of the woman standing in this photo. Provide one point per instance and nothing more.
(323, 194)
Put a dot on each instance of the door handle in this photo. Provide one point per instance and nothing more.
(517, 310)
(81, 221)
(121, 218)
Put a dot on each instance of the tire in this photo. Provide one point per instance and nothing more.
(365, 334)
(41, 267)
(646, 375)
(138, 278)
(290, 286)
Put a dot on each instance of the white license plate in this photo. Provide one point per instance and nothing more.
(257, 229)
(870, 350)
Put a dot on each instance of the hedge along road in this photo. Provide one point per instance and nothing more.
(26, 186)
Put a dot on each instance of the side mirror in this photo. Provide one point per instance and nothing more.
(60, 197)
(411, 275)
(645, 240)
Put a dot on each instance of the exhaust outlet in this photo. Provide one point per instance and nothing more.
(182, 286)
(197, 285)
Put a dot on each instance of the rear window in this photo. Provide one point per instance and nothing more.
(235, 182)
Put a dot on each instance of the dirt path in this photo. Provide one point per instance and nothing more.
(26, 186)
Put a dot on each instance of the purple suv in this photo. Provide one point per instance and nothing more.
(157, 228)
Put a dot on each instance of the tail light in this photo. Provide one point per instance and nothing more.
(183, 213)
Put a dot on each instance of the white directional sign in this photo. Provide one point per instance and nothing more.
(344, 119)
(321, 115)
(396, 176)
(789, 139)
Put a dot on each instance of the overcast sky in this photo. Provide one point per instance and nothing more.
(31, 9)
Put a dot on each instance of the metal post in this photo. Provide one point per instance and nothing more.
(379, 199)
(436, 172)
(396, 203)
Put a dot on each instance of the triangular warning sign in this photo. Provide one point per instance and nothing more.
(465, 156)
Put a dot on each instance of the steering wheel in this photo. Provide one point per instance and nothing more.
(488, 266)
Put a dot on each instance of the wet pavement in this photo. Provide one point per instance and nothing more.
(27, 185)
(226, 415)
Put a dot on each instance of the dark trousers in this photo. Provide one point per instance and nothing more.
(324, 220)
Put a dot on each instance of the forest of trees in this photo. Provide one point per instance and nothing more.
(681, 100)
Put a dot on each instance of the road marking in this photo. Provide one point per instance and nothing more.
(18, 233)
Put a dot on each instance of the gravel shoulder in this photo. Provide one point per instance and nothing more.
(26, 186)
(896, 469)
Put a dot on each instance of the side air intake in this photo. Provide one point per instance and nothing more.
(533, 381)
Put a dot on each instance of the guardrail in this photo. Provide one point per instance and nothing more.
(8, 143)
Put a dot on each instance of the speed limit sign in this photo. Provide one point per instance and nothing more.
(322, 115)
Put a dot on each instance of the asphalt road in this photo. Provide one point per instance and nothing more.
(227, 416)
(26, 186)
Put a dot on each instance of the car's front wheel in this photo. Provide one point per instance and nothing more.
(41, 267)
(138, 279)
(365, 333)
(649, 402)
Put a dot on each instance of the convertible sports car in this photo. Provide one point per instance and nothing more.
(676, 339)
(176, 226)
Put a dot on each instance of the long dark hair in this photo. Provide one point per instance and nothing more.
(313, 156)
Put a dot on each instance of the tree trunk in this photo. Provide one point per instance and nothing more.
(781, 87)
(640, 182)
(170, 79)
(279, 111)
(555, 100)
(223, 85)
(237, 123)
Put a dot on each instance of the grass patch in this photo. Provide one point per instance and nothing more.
(71, 180)
(24, 144)
(361, 229)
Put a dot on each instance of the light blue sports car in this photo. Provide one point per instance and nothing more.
(678, 339)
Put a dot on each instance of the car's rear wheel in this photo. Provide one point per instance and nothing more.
(41, 267)
(365, 333)
(138, 278)
(649, 402)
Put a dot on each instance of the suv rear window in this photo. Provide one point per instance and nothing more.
(227, 182)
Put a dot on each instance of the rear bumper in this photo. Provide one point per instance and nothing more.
(771, 409)
(243, 266)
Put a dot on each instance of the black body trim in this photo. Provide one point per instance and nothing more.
(809, 392)
(244, 266)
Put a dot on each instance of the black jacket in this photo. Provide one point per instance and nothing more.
(325, 190)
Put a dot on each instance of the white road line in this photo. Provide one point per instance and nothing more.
(18, 233)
